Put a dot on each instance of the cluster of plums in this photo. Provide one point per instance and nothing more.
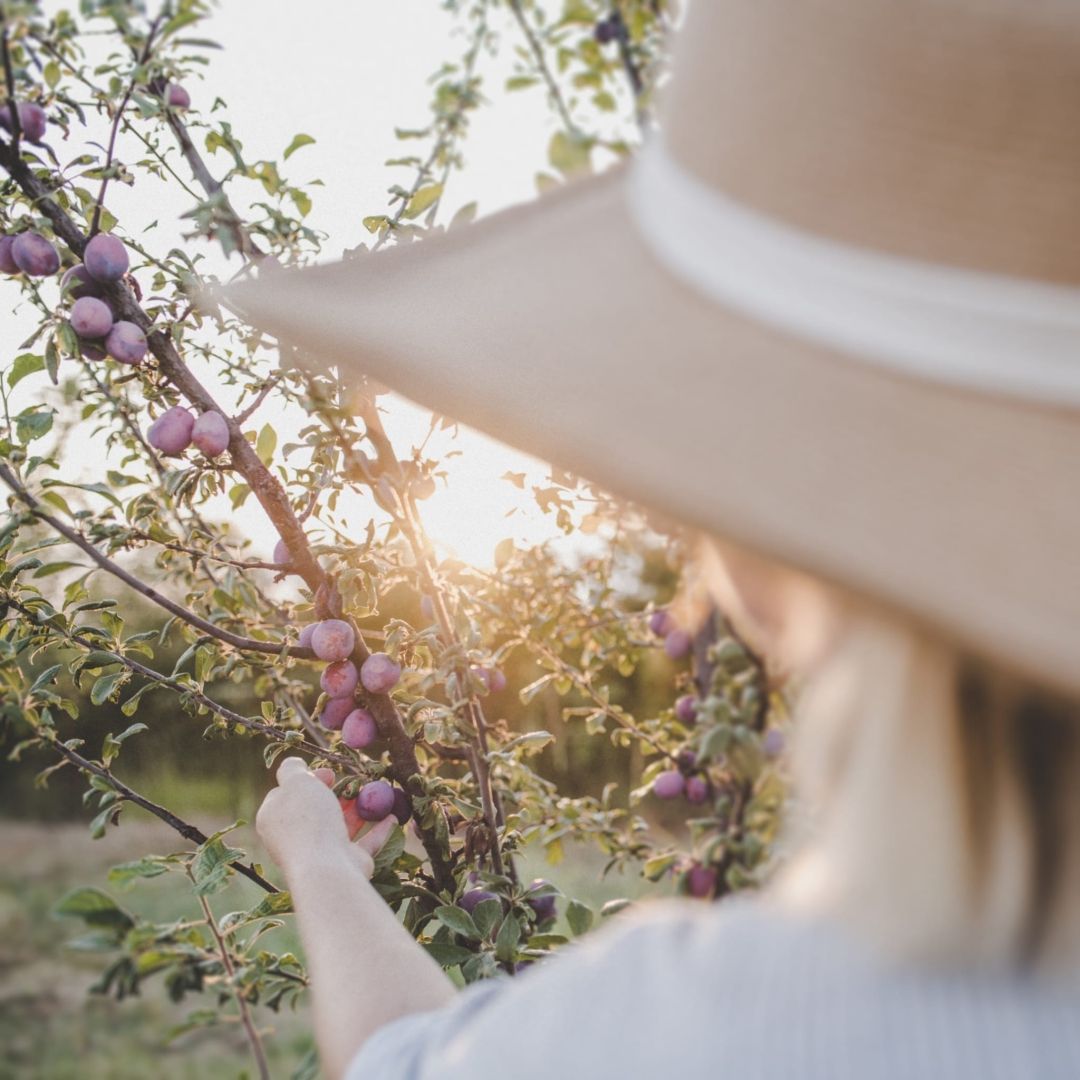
(684, 780)
(678, 643)
(333, 640)
(176, 429)
(544, 906)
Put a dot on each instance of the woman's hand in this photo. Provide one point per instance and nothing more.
(366, 969)
(301, 822)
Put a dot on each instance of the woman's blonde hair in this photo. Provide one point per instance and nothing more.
(939, 795)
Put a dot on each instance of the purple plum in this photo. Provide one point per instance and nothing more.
(7, 260)
(686, 760)
(339, 679)
(606, 30)
(336, 712)
(105, 258)
(281, 554)
(211, 433)
(471, 899)
(34, 255)
(91, 318)
(380, 673)
(88, 350)
(176, 97)
(492, 678)
(171, 431)
(375, 800)
(77, 283)
(697, 790)
(305, 635)
(661, 623)
(669, 785)
(544, 906)
(32, 120)
(402, 808)
(359, 729)
(773, 743)
(677, 644)
(333, 639)
(126, 343)
(700, 880)
(686, 709)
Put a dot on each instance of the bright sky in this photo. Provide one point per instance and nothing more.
(347, 73)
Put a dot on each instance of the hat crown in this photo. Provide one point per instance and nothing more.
(940, 130)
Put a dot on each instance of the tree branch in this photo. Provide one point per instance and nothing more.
(117, 571)
(184, 828)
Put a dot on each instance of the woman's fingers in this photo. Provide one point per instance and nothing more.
(376, 836)
(291, 767)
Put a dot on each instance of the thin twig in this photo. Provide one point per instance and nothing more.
(254, 1041)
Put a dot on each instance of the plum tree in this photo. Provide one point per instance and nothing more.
(210, 433)
(333, 639)
(34, 255)
(105, 258)
(91, 318)
(380, 673)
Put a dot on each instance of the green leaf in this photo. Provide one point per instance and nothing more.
(507, 942)
(126, 874)
(448, 955)
(422, 200)
(33, 423)
(108, 685)
(458, 920)
(51, 74)
(23, 365)
(238, 493)
(486, 915)
(579, 917)
(570, 154)
(210, 867)
(266, 444)
(296, 144)
(95, 908)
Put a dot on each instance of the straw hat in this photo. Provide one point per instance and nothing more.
(831, 314)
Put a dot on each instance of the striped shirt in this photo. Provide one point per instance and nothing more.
(677, 991)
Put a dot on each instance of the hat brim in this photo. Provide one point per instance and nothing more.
(552, 327)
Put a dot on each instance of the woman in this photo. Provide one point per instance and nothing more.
(832, 316)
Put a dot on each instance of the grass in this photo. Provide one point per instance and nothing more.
(51, 1028)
